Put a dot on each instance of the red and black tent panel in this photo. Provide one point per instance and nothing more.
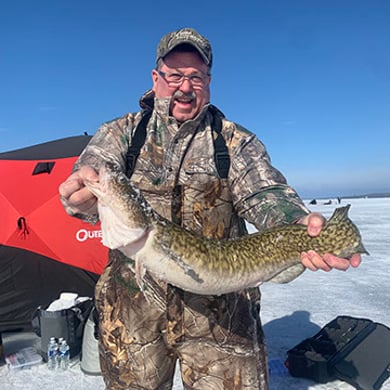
(43, 251)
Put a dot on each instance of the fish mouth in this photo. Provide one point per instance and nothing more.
(95, 187)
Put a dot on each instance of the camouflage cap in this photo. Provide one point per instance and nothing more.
(189, 36)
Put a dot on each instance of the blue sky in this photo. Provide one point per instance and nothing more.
(311, 78)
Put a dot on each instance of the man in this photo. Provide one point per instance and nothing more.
(218, 339)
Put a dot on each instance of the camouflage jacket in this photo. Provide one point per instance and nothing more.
(177, 174)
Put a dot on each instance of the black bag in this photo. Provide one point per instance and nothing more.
(66, 323)
(355, 350)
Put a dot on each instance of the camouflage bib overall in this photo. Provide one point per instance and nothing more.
(217, 339)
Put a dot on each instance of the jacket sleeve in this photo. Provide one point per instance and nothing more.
(261, 194)
(109, 145)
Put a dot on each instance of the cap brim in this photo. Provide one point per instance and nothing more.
(188, 42)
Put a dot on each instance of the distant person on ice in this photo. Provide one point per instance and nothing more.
(218, 339)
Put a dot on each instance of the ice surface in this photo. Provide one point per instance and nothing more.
(290, 312)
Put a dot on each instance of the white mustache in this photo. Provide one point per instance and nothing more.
(180, 94)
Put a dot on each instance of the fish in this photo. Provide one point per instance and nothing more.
(209, 266)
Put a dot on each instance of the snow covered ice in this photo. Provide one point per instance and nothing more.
(290, 313)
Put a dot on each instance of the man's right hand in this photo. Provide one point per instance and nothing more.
(75, 196)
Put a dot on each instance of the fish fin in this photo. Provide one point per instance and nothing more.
(288, 274)
(339, 214)
(139, 271)
(187, 268)
(182, 264)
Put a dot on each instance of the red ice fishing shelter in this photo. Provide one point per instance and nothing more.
(43, 251)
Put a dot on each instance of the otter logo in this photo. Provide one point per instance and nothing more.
(83, 235)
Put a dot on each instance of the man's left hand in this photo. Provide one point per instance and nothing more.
(312, 260)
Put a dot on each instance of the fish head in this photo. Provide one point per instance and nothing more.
(121, 208)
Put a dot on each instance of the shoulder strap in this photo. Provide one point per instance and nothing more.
(221, 153)
(137, 142)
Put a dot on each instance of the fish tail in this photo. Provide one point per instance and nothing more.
(341, 215)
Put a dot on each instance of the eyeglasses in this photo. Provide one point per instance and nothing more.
(175, 79)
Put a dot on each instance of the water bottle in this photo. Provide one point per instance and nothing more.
(58, 357)
(64, 355)
(52, 349)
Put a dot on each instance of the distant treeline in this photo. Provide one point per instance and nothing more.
(378, 195)
(373, 195)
